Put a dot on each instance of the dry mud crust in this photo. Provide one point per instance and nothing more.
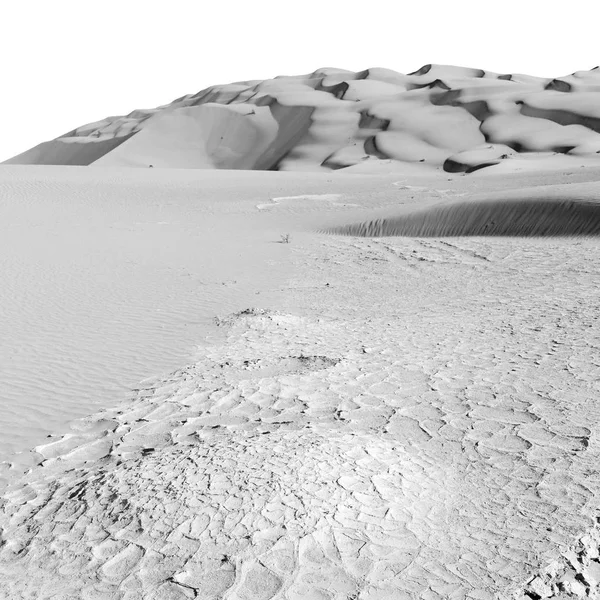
(427, 463)
(574, 574)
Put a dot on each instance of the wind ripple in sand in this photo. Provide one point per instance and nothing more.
(106, 280)
(515, 217)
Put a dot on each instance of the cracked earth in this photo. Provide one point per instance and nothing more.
(429, 432)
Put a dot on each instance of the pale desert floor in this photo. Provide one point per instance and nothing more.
(367, 418)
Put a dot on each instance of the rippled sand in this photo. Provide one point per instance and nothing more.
(542, 212)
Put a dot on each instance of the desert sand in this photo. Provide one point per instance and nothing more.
(371, 382)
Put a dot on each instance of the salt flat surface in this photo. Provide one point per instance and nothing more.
(389, 417)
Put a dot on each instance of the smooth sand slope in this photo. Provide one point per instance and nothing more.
(455, 118)
(369, 418)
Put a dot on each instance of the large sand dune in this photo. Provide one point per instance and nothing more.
(457, 118)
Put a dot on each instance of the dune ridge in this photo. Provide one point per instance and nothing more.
(514, 218)
(440, 116)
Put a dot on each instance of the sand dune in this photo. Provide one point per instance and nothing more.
(335, 119)
(516, 218)
(206, 136)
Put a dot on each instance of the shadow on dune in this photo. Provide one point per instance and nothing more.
(519, 217)
(60, 152)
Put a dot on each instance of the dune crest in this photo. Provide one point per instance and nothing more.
(440, 116)
(514, 218)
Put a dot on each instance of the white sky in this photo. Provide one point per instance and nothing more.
(64, 63)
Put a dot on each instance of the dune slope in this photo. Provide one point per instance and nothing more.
(440, 116)
(522, 217)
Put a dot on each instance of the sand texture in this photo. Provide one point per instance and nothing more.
(544, 212)
(440, 116)
(371, 417)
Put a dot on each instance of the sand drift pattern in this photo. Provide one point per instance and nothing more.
(515, 217)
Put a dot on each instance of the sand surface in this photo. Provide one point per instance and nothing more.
(367, 417)
(114, 276)
(440, 116)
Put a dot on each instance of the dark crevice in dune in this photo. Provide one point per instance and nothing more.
(293, 122)
(423, 70)
(244, 99)
(216, 96)
(363, 74)
(562, 117)
(369, 121)
(372, 150)
(321, 87)
(453, 166)
(338, 91)
(439, 84)
(479, 73)
(335, 164)
(515, 218)
(514, 145)
(240, 97)
(203, 92)
(507, 77)
(558, 85)
(436, 84)
(482, 166)
(252, 97)
(328, 163)
(275, 165)
(478, 109)
(563, 149)
(448, 98)
(234, 99)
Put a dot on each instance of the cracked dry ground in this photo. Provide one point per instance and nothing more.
(431, 434)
